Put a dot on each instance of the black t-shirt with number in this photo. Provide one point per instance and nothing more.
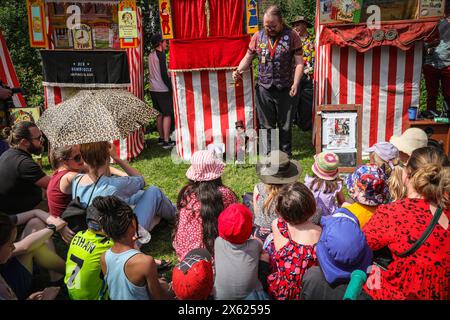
(18, 175)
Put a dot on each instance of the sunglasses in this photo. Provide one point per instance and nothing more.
(77, 158)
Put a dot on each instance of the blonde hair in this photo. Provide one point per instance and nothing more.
(272, 190)
(397, 190)
(429, 172)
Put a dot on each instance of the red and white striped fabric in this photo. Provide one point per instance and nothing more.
(130, 147)
(384, 80)
(206, 105)
(8, 74)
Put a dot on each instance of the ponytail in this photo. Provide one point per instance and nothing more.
(397, 188)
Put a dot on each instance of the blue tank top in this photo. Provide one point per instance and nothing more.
(119, 287)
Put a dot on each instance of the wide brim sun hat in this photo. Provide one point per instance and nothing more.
(410, 140)
(277, 168)
(368, 185)
(205, 166)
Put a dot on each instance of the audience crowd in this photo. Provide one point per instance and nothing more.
(295, 241)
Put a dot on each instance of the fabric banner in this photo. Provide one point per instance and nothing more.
(206, 105)
(8, 74)
(99, 69)
(165, 15)
(252, 16)
(384, 80)
(216, 53)
(361, 38)
(36, 23)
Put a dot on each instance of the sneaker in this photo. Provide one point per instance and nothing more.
(168, 145)
(160, 141)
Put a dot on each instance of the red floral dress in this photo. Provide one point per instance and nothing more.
(189, 234)
(292, 261)
(423, 275)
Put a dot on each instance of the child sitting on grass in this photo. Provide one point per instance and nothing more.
(84, 277)
(368, 188)
(236, 256)
(325, 183)
(199, 204)
(129, 274)
(295, 239)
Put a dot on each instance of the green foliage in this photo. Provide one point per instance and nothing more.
(26, 60)
(292, 8)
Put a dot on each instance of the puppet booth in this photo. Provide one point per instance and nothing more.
(88, 45)
(369, 53)
(208, 40)
(8, 78)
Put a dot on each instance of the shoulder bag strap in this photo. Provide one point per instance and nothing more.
(76, 186)
(424, 236)
(93, 189)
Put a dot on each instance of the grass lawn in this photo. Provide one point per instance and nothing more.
(156, 165)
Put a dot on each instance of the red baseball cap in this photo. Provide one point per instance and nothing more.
(193, 278)
(235, 223)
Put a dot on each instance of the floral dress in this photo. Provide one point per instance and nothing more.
(189, 234)
(292, 261)
(423, 275)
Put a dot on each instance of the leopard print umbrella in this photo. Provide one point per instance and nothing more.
(94, 115)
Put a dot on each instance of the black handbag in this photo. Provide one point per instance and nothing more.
(75, 213)
(383, 257)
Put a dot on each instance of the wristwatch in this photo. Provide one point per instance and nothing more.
(51, 227)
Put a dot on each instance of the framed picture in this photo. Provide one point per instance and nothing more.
(339, 130)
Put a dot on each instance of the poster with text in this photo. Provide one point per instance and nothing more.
(339, 131)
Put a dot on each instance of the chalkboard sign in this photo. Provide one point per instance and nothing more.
(339, 130)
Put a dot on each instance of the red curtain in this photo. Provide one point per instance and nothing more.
(189, 19)
(226, 17)
(207, 53)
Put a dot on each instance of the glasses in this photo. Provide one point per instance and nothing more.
(77, 158)
(40, 138)
(271, 27)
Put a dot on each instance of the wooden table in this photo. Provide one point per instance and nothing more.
(441, 131)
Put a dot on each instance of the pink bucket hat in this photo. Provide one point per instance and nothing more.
(205, 166)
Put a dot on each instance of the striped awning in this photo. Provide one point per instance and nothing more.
(8, 74)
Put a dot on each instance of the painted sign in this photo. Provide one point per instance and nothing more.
(165, 15)
(252, 16)
(36, 23)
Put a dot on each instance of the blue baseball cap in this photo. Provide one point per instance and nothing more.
(342, 247)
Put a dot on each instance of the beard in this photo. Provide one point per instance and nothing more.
(35, 150)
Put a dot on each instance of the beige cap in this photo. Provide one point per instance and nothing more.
(410, 140)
